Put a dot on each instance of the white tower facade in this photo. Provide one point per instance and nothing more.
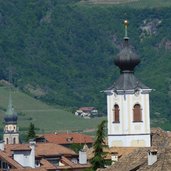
(128, 108)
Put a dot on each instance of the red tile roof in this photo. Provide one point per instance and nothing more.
(68, 138)
(50, 149)
(86, 109)
(15, 147)
(29, 169)
(46, 164)
(74, 165)
(9, 160)
(42, 149)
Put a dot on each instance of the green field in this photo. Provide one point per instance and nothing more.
(131, 3)
(43, 116)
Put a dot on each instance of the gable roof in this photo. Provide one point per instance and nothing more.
(50, 149)
(42, 149)
(87, 109)
(68, 138)
(46, 164)
(10, 161)
(74, 165)
(29, 169)
(9, 148)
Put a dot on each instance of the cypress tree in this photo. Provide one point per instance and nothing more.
(98, 159)
(31, 132)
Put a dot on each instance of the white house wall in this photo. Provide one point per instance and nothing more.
(22, 158)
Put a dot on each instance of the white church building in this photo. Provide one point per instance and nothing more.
(128, 103)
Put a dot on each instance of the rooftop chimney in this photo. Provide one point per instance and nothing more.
(152, 157)
(82, 157)
(32, 154)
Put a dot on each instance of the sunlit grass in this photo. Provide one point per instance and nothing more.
(43, 116)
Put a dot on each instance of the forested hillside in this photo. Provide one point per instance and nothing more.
(62, 51)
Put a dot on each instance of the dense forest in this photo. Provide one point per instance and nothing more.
(62, 52)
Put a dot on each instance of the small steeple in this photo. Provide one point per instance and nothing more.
(10, 109)
(11, 135)
(10, 115)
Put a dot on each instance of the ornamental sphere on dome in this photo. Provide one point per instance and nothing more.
(126, 22)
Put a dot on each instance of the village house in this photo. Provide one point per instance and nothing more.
(40, 156)
(87, 112)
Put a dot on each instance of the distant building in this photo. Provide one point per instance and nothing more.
(11, 134)
(128, 104)
(87, 112)
(66, 139)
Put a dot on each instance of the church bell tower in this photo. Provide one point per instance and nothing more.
(128, 103)
(11, 134)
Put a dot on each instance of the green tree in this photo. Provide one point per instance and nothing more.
(31, 132)
(98, 159)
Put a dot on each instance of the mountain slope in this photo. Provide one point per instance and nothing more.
(62, 52)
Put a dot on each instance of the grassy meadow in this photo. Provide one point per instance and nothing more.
(45, 117)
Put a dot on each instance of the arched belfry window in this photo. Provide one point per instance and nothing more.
(137, 114)
(7, 140)
(116, 114)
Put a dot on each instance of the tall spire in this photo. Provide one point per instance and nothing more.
(10, 109)
(10, 115)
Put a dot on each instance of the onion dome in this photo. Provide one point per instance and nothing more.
(11, 115)
(126, 60)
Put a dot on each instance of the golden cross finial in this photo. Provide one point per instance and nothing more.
(126, 28)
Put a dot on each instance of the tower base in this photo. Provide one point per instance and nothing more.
(133, 140)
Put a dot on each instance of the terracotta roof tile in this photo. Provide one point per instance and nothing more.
(49, 149)
(9, 160)
(42, 149)
(13, 147)
(46, 164)
(29, 169)
(137, 160)
(86, 109)
(74, 165)
(68, 138)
